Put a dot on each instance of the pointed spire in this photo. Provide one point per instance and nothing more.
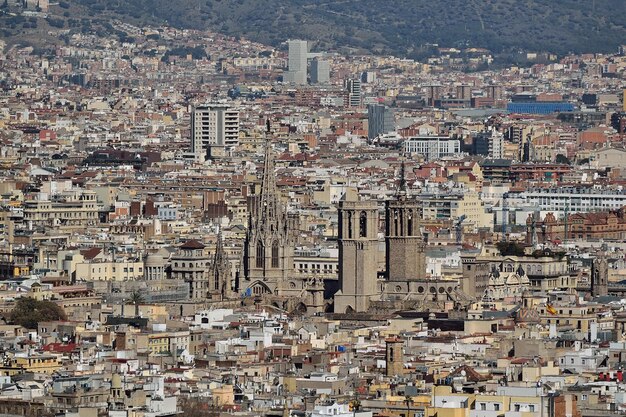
(402, 189)
(219, 250)
(270, 209)
(221, 265)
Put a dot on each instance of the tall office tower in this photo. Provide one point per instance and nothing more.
(214, 129)
(320, 71)
(494, 92)
(380, 120)
(433, 93)
(496, 145)
(368, 77)
(463, 92)
(353, 88)
(298, 52)
(358, 247)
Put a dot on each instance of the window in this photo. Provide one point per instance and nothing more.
(483, 406)
(260, 255)
(531, 408)
(516, 407)
(496, 407)
(349, 225)
(363, 224)
(275, 254)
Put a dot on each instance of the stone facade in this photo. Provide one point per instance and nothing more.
(358, 245)
(192, 264)
(269, 252)
(600, 276)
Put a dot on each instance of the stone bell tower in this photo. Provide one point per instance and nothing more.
(358, 247)
(405, 258)
(394, 357)
(600, 276)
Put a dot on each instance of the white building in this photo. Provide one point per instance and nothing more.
(214, 129)
(496, 145)
(571, 199)
(210, 319)
(320, 71)
(338, 410)
(298, 54)
(433, 147)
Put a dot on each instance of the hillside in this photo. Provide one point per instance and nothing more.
(400, 27)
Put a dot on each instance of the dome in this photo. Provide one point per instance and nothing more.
(155, 259)
(527, 315)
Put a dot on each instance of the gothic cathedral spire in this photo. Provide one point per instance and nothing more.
(269, 244)
(221, 269)
(270, 211)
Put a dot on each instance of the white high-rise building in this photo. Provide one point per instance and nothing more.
(433, 147)
(298, 54)
(353, 87)
(214, 130)
(496, 145)
(320, 71)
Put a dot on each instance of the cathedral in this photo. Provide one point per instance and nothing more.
(405, 283)
(268, 258)
(269, 250)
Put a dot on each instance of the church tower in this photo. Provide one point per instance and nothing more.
(600, 276)
(358, 247)
(394, 357)
(269, 242)
(405, 258)
(221, 272)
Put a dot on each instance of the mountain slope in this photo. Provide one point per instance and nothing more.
(400, 27)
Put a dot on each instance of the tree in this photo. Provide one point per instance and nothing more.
(408, 400)
(136, 299)
(28, 312)
(510, 249)
(562, 159)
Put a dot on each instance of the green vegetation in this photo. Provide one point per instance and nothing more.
(403, 27)
(28, 312)
(196, 53)
(562, 159)
(510, 249)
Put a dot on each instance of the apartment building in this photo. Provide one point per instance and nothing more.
(214, 130)
(71, 209)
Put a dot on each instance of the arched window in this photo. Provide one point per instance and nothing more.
(260, 255)
(410, 223)
(363, 224)
(275, 254)
(349, 225)
(395, 223)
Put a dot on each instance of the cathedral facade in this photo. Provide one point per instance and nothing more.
(405, 281)
(269, 251)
